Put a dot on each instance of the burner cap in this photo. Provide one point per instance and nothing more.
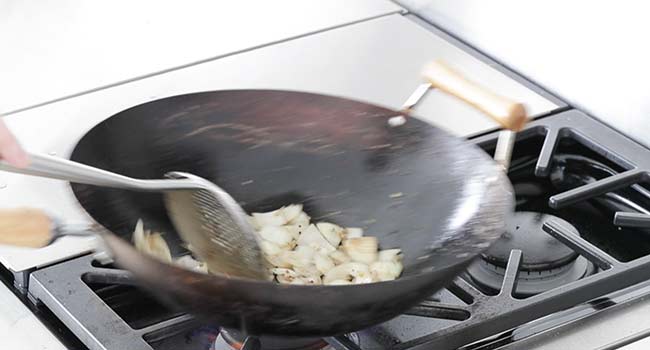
(230, 339)
(540, 250)
(546, 262)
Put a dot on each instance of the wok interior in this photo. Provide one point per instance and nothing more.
(337, 157)
(440, 200)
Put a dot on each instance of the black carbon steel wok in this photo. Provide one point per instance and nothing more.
(438, 198)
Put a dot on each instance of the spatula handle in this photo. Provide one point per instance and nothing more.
(30, 228)
(43, 165)
(508, 113)
(63, 169)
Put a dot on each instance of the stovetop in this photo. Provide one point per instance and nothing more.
(514, 296)
(555, 265)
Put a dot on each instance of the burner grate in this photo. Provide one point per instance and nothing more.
(485, 316)
(63, 290)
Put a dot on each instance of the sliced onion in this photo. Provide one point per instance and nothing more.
(151, 244)
(323, 263)
(339, 257)
(276, 234)
(352, 232)
(278, 261)
(305, 252)
(312, 280)
(362, 249)
(253, 222)
(312, 237)
(284, 275)
(269, 248)
(363, 279)
(301, 253)
(385, 270)
(291, 212)
(346, 271)
(272, 218)
(189, 263)
(332, 233)
(390, 255)
(295, 230)
(301, 219)
(295, 259)
(307, 271)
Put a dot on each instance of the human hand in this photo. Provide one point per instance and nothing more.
(10, 150)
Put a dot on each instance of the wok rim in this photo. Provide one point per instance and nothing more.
(496, 202)
(499, 184)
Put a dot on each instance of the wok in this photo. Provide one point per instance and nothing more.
(440, 199)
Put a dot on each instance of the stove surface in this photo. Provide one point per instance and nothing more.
(580, 263)
(71, 47)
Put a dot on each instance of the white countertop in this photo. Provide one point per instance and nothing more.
(643, 344)
(54, 49)
(20, 329)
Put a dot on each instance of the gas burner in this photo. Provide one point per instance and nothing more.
(546, 263)
(230, 339)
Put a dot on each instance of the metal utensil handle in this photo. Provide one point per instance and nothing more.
(64, 169)
(503, 152)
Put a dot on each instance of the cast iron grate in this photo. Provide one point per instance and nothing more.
(486, 317)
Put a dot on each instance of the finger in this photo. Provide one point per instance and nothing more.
(10, 150)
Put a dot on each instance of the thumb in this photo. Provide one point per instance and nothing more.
(10, 149)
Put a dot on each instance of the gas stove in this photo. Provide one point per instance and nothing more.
(575, 246)
(575, 253)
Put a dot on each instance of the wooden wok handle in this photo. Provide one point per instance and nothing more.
(30, 228)
(509, 114)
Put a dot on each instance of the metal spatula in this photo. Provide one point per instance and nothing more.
(206, 217)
